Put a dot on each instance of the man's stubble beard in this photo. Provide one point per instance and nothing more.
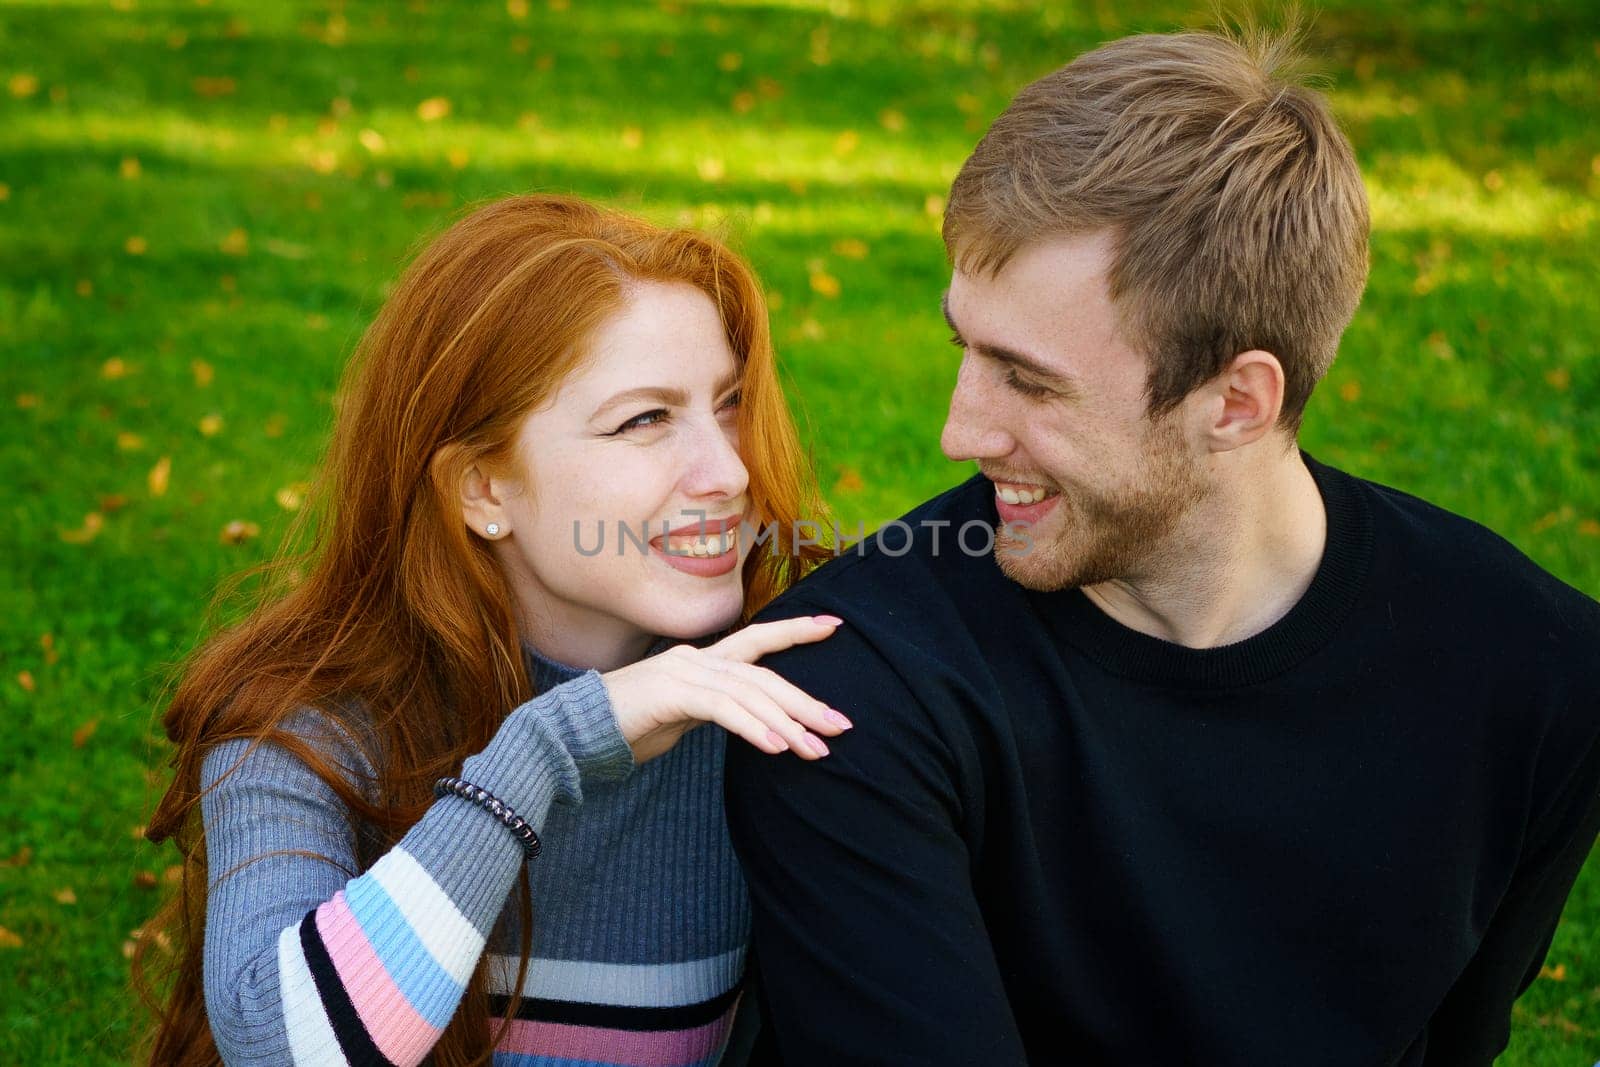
(1104, 536)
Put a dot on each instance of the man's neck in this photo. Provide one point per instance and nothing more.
(1237, 563)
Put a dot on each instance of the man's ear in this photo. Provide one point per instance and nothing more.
(459, 479)
(1246, 399)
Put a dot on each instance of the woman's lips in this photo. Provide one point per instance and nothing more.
(701, 566)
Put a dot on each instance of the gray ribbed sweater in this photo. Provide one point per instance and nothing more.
(641, 917)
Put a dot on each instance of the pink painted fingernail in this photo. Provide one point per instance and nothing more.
(776, 738)
(827, 620)
(838, 720)
(816, 744)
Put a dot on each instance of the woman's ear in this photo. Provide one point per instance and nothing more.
(459, 479)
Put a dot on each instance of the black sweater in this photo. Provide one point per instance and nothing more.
(1052, 839)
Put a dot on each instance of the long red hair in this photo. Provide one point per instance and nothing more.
(380, 597)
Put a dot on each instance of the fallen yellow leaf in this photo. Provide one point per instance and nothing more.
(203, 373)
(892, 120)
(237, 243)
(22, 85)
(213, 87)
(65, 895)
(826, 284)
(211, 425)
(159, 475)
(129, 442)
(136, 246)
(9, 939)
(114, 368)
(433, 109)
(238, 532)
(83, 733)
(25, 679)
(130, 168)
(372, 141)
(92, 524)
(851, 248)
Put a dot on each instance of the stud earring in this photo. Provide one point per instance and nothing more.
(493, 529)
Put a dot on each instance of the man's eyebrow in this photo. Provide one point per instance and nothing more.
(1035, 367)
(670, 396)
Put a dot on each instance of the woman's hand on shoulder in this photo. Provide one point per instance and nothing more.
(659, 699)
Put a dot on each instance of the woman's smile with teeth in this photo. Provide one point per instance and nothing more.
(704, 546)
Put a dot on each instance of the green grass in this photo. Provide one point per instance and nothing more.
(1469, 376)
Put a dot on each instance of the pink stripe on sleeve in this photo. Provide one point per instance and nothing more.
(403, 1036)
(630, 1048)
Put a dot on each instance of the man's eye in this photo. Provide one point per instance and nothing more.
(956, 340)
(647, 419)
(1024, 387)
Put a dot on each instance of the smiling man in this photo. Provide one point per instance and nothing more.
(1222, 755)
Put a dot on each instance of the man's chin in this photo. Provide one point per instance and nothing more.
(1032, 569)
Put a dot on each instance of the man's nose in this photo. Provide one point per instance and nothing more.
(973, 429)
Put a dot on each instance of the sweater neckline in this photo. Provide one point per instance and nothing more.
(546, 673)
(1306, 627)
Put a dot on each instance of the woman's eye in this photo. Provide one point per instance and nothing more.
(1025, 388)
(647, 419)
(732, 401)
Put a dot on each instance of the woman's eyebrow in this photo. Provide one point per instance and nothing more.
(671, 396)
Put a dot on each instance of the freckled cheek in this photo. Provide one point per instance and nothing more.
(627, 489)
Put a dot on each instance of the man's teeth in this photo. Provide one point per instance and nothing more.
(1021, 496)
(703, 546)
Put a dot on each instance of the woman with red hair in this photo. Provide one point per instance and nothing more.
(441, 794)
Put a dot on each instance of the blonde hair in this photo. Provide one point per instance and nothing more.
(1239, 214)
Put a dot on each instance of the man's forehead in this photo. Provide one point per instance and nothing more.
(1047, 286)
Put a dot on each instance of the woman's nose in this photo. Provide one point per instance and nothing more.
(715, 468)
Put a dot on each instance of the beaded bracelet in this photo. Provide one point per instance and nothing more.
(490, 803)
